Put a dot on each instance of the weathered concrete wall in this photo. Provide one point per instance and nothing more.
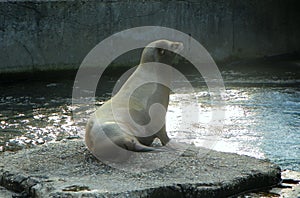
(46, 35)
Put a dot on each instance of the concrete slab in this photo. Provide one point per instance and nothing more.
(67, 169)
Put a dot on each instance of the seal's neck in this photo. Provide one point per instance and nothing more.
(155, 72)
(149, 55)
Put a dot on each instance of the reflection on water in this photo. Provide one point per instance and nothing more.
(263, 122)
(262, 115)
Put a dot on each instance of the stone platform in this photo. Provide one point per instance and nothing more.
(67, 169)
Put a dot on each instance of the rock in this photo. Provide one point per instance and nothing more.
(69, 170)
(290, 186)
(51, 85)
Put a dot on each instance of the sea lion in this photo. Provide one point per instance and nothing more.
(135, 115)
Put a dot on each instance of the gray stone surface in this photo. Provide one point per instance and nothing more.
(51, 35)
(4, 193)
(290, 186)
(67, 169)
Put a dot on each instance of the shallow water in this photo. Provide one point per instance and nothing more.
(262, 114)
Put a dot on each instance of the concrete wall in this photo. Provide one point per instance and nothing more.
(47, 35)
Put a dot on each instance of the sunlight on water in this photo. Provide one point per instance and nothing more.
(236, 136)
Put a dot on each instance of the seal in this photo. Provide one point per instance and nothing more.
(135, 115)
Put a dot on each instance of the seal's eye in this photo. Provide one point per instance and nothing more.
(161, 51)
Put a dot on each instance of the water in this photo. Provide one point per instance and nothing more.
(262, 114)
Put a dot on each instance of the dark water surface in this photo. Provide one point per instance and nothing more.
(262, 113)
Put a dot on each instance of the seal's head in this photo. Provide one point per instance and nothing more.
(163, 51)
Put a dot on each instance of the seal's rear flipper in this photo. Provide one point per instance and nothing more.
(142, 148)
(176, 146)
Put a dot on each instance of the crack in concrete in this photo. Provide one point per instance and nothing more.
(27, 50)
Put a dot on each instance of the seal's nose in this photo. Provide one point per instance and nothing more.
(177, 46)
